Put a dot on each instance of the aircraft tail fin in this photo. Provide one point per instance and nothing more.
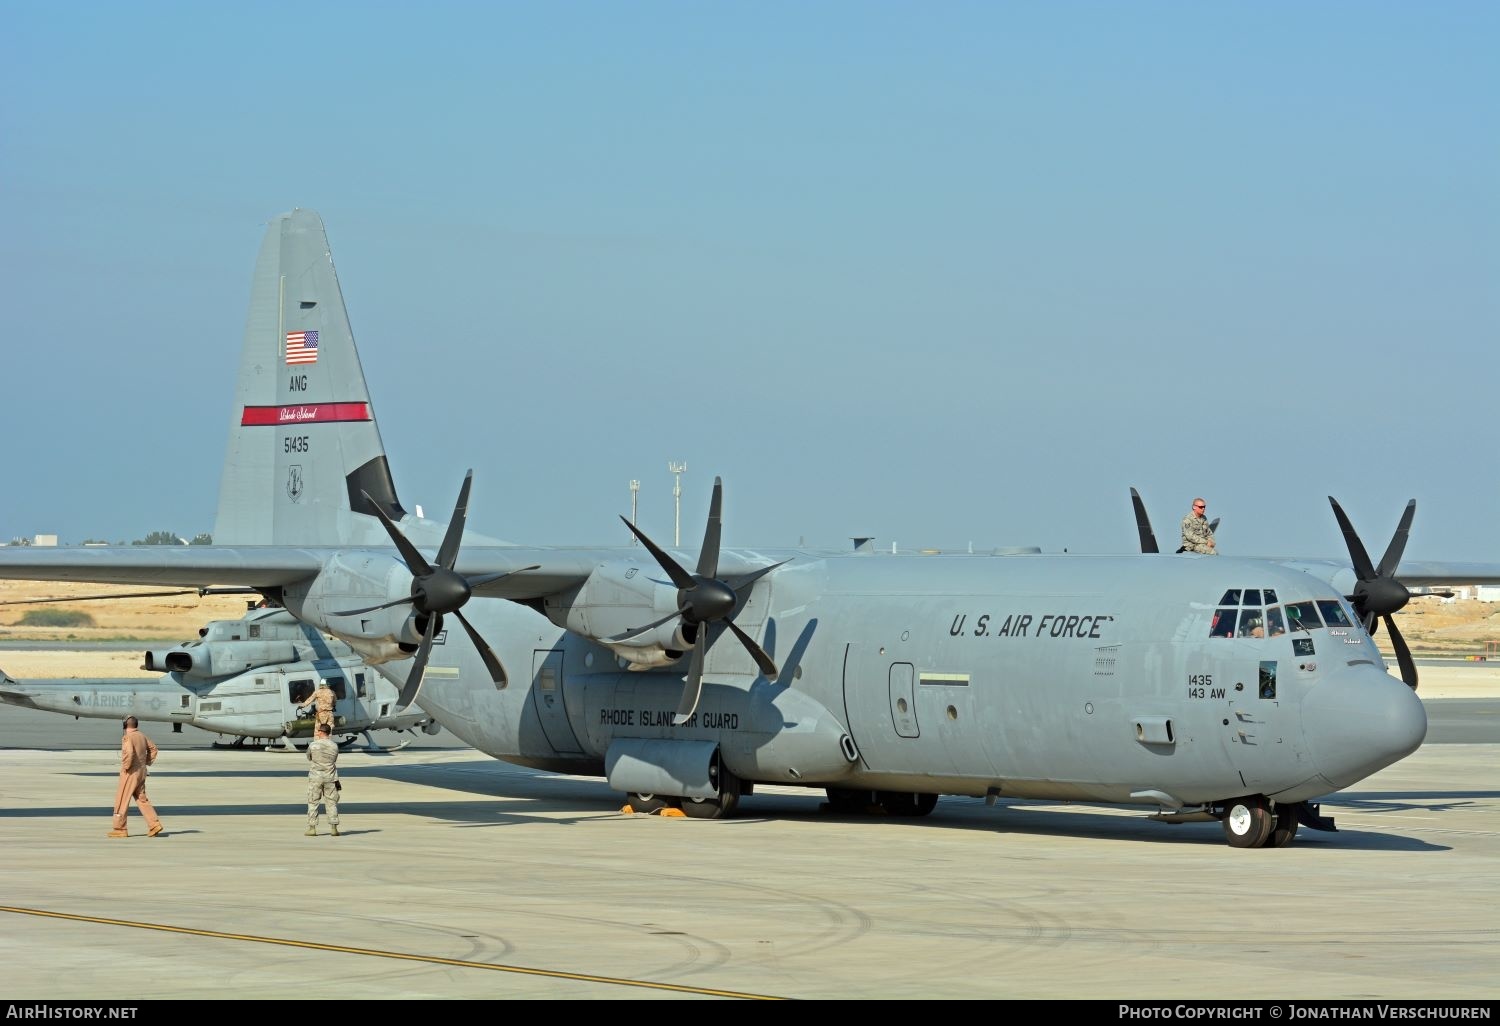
(304, 447)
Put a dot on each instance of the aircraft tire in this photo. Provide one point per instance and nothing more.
(647, 803)
(1284, 828)
(1248, 821)
(710, 808)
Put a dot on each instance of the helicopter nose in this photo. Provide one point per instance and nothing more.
(1359, 720)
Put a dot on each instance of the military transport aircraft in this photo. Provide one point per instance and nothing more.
(688, 679)
(246, 679)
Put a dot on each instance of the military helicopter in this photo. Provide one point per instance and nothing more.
(244, 679)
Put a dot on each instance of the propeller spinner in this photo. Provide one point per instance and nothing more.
(703, 599)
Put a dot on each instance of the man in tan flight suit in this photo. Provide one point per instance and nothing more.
(322, 704)
(136, 753)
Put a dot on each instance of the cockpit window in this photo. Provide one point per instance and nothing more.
(1251, 598)
(1252, 623)
(1231, 597)
(1333, 613)
(1270, 594)
(1223, 625)
(1302, 616)
(1274, 623)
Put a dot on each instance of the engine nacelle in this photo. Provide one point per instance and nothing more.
(205, 660)
(616, 598)
(358, 581)
(262, 637)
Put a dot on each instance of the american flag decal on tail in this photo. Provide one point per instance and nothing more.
(301, 347)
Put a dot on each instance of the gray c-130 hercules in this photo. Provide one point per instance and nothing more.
(687, 679)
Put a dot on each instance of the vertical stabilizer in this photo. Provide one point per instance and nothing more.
(303, 443)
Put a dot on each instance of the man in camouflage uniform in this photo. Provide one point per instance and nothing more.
(321, 704)
(322, 781)
(136, 753)
(1197, 536)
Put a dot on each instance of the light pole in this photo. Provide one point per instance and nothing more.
(677, 469)
(635, 490)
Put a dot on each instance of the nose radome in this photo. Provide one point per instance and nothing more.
(1360, 720)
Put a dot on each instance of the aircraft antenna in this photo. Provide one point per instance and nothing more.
(677, 469)
(635, 493)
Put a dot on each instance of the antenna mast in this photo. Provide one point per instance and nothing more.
(677, 469)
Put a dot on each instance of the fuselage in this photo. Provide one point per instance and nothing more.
(1114, 679)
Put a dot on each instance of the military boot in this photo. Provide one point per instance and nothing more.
(334, 830)
(117, 833)
(310, 832)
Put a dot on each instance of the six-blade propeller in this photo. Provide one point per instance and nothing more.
(703, 600)
(1379, 593)
(436, 591)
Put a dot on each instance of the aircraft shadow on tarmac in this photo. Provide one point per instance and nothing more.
(495, 787)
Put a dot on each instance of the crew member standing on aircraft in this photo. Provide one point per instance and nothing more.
(1197, 535)
(322, 703)
(136, 753)
(322, 781)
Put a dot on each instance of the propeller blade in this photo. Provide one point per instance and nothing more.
(1403, 654)
(448, 552)
(1143, 524)
(680, 577)
(371, 609)
(491, 661)
(767, 666)
(475, 583)
(1363, 568)
(1213, 525)
(688, 704)
(749, 579)
(418, 666)
(708, 556)
(415, 561)
(627, 635)
(1398, 542)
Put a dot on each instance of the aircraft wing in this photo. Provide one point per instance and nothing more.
(188, 566)
(1415, 574)
(529, 573)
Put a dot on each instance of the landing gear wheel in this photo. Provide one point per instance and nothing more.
(720, 807)
(1247, 822)
(1284, 828)
(647, 803)
(710, 808)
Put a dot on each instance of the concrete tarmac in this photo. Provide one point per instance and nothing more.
(461, 877)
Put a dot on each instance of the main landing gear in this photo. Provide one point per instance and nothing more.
(721, 806)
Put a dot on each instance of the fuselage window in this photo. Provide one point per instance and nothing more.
(1333, 613)
(1223, 625)
(359, 685)
(301, 691)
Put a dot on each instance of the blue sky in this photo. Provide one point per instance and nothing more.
(943, 274)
